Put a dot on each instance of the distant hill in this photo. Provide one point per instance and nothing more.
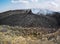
(26, 18)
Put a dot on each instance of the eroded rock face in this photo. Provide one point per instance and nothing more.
(26, 18)
(56, 16)
(12, 12)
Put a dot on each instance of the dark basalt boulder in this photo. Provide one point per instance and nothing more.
(26, 18)
(56, 16)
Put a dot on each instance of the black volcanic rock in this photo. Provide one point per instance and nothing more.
(11, 12)
(56, 15)
(26, 18)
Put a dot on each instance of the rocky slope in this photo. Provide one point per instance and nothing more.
(28, 28)
(26, 18)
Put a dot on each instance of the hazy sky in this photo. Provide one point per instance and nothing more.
(25, 4)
